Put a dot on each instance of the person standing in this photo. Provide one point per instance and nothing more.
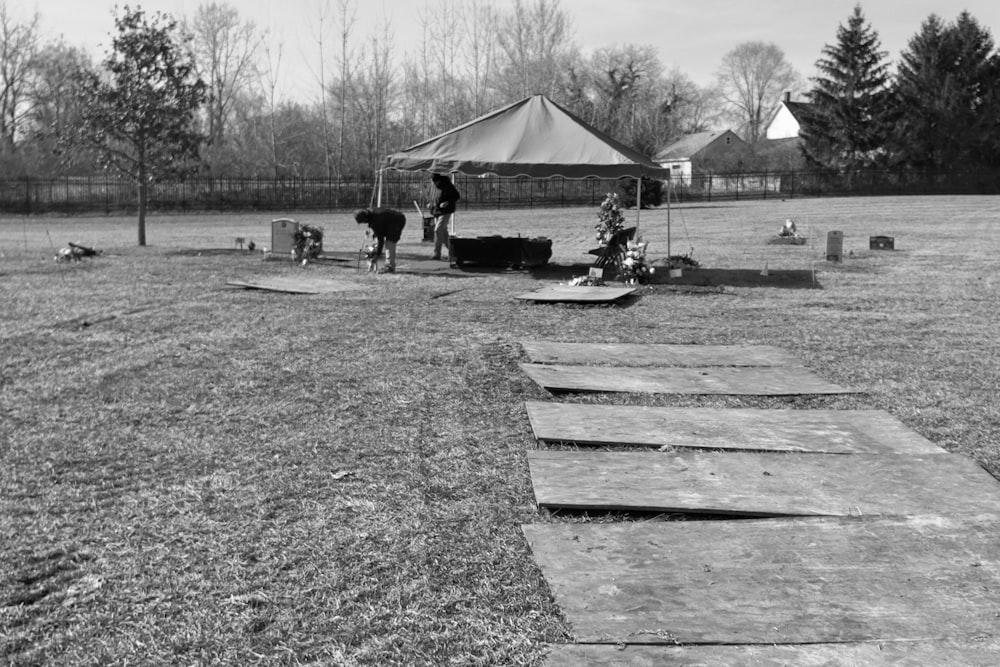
(443, 209)
(387, 225)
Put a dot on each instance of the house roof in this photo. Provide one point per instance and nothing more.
(691, 144)
(798, 109)
(534, 137)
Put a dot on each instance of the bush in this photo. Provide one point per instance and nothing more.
(652, 192)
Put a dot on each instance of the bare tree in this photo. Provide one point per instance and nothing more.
(55, 105)
(225, 50)
(18, 47)
(268, 76)
(478, 23)
(346, 16)
(702, 109)
(534, 42)
(625, 92)
(624, 80)
(433, 93)
(375, 87)
(752, 79)
(443, 38)
(323, 14)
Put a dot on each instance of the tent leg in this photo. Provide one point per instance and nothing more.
(638, 203)
(452, 224)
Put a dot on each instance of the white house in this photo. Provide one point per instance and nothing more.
(787, 120)
(698, 150)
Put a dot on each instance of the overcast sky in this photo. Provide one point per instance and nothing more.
(692, 35)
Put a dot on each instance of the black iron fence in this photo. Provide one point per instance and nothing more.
(106, 195)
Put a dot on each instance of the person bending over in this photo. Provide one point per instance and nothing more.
(387, 226)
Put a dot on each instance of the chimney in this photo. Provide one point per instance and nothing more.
(788, 96)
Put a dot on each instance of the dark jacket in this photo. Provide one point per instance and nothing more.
(386, 223)
(448, 196)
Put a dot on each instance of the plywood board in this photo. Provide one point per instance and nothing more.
(577, 294)
(296, 285)
(268, 286)
(656, 354)
(758, 381)
(432, 267)
(968, 653)
(774, 581)
(819, 431)
(762, 484)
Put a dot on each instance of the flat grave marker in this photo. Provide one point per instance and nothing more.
(587, 294)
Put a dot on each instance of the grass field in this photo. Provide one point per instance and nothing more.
(196, 474)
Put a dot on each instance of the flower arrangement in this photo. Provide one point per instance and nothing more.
(635, 268)
(371, 255)
(610, 218)
(308, 243)
(587, 281)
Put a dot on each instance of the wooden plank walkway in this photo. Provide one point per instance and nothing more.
(587, 294)
(885, 549)
(656, 354)
(756, 381)
(969, 653)
(742, 484)
(774, 581)
(820, 431)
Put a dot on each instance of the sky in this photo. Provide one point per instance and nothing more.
(691, 35)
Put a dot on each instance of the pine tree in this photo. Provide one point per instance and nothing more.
(944, 96)
(846, 127)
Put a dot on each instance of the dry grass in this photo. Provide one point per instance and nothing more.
(198, 474)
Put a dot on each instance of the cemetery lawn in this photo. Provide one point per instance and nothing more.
(193, 473)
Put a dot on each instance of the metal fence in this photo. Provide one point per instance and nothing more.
(108, 195)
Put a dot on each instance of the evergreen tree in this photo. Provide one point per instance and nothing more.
(846, 127)
(944, 96)
(989, 149)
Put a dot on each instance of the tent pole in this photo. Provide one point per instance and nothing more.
(454, 214)
(638, 203)
(669, 183)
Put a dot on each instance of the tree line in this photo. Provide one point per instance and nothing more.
(175, 95)
(939, 111)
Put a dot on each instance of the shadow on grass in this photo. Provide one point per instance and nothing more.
(792, 279)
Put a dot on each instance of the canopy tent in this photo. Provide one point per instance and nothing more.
(534, 137)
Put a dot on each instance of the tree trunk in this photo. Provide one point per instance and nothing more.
(143, 196)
